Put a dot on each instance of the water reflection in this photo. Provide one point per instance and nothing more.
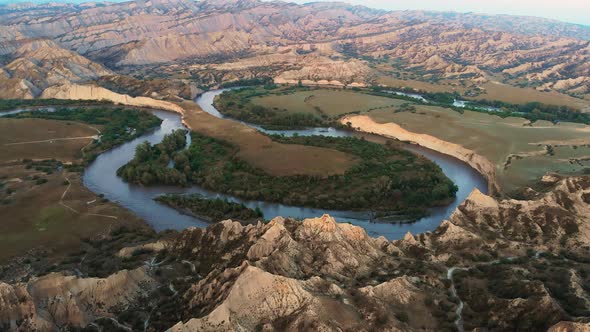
(100, 177)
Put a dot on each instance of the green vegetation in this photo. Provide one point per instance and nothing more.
(47, 166)
(247, 82)
(118, 125)
(215, 210)
(386, 178)
(150, 165)
(237, 104)
(533, 111)
(296, 107)
(11, 104)
(522, 152)
(536, 111)
(441, 97)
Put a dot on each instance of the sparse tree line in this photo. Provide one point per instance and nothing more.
(215, 209)
(11, 104)
(536, 111)
(237, 104)
(533, 111)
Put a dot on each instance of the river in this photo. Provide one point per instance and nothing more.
(101, 178)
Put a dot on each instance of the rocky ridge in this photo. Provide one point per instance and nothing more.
(297, 42)
(321, 275)
(39, 64)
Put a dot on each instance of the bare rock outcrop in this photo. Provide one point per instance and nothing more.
(557, 220)
(56, 300)
(569, 327)
(318, 274)
(553, 54)
(256, 296)
(38, 64)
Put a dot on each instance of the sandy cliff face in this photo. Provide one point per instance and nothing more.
(569, 327)
(556, 220)
(163, 89)
(479, 163)
(281, 282)
(93, 92)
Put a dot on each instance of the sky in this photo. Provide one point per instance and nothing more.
(573, 11)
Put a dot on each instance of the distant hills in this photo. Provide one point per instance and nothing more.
(320, 40)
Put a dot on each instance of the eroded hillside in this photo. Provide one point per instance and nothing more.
(525, 257)
(216, 41)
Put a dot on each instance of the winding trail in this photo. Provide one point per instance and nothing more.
(459, 321)
(61, 202)
(451, 271)
(53, 139)
(63, 195)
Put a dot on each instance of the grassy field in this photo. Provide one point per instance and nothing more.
(493, 91)
(117, 125)
(261, 152)
(33, 213)
(420, 85)
(333, 103)
(515, 95)
(42, 135)
(519, 150)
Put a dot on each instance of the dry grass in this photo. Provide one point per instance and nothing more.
(493, 91)
(35, 219)
(515, 95)
(449, 86)
(334, 103)
(260, 151)
(27, 130)
(31, 215)
(497, 139)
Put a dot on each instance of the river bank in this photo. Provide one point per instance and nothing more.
(100, 178)
(485, 167)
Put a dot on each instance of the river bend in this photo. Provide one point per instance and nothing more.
(101, 178)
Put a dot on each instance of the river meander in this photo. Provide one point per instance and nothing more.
(101, 178)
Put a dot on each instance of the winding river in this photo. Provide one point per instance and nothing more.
(100, 177)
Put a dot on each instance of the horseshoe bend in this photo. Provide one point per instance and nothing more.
(221, 165)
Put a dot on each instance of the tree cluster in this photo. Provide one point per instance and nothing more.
(215, 209)
(385, 178)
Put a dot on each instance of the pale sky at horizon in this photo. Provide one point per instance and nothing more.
(574, 11)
